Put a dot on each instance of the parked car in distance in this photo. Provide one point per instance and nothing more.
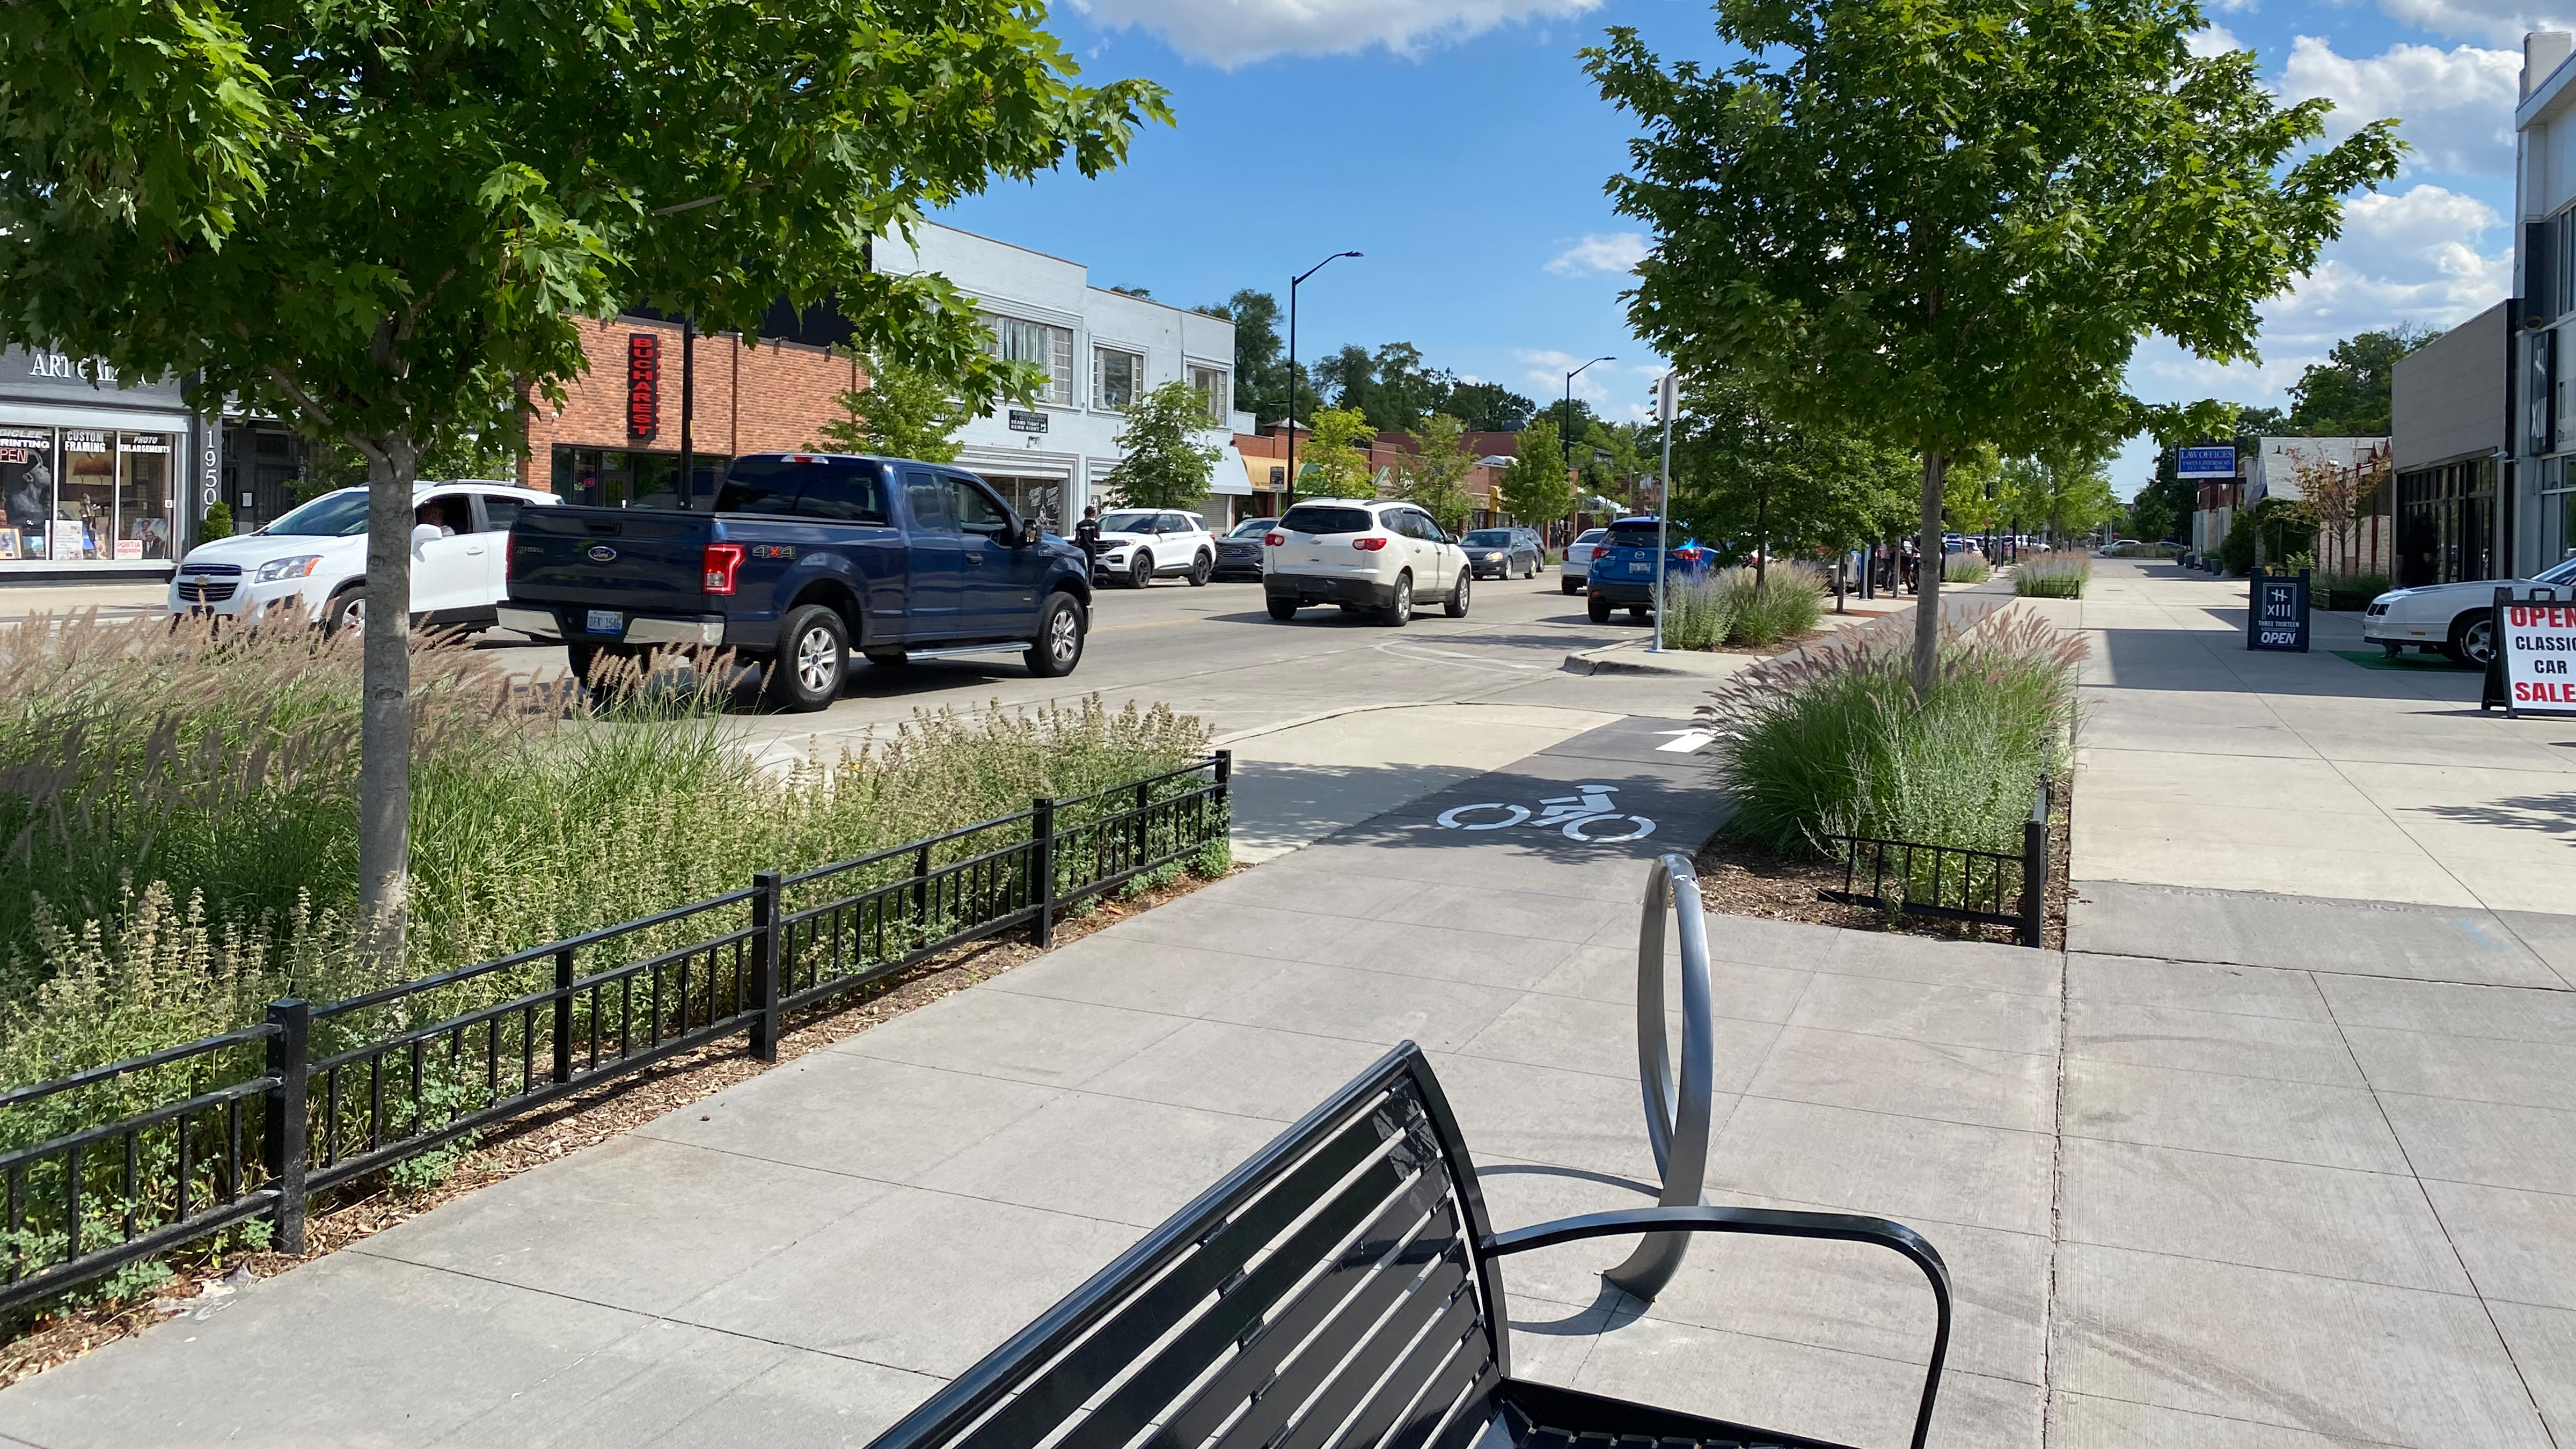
(2457, 620)
(805, 558)
(1239, 552)
(1140, 545)
(1578, 559)
(314, 558)
(1382, 556)
(1622, 572)
(1502, 552)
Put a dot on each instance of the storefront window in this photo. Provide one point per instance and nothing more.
(2557, 510)
(2446, 524)
(27, 491)
(144, 523)
(85, 504)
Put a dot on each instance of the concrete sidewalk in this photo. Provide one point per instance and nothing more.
(802, 1257)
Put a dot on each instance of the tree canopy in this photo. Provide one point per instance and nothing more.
(1336, 463)
(1394, 387)
(1164, 466)
(379, 219)
(1434, 475)
(1966, 212)
(1534, 488)
(903, 412)
(2348, 395)
(1742, 479)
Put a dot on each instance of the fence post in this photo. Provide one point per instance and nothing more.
(563, 1014)
(765, 913)
(1042, 870)
(1144, 851)
(2034, 871)
(1224, 792)
(289, 1059)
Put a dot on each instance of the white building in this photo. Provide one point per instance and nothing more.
(1101, 350)
(2535, 525)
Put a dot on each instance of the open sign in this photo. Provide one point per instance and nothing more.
(2276, 612)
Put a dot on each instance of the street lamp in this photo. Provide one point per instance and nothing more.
(1565, 439)
(1293, 284)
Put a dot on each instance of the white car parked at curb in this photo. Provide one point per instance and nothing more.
(315, 559)
(1577, 568)
(1140, 545)
(1365, 555)
(2453, 619)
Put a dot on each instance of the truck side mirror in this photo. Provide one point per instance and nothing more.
(1026, 536)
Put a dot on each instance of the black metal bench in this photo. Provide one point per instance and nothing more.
(1341, 1291)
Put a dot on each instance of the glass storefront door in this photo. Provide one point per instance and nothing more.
(85, 503)
(26, 491)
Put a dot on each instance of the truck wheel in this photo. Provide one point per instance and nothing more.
(1599, 609)
(1202, 569)
(1456, 608)
(1400, 613)
(813, 659)
(1283, 610)
(1059, 643)
(1140, 573)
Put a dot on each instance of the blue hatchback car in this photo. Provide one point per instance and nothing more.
(1623, 568)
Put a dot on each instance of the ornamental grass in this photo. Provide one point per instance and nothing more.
(2056, 574)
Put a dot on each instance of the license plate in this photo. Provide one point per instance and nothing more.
(607, 621)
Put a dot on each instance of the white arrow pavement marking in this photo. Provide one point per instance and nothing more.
(1688, 741)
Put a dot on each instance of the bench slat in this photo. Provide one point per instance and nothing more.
(1143, 1397)
(1421, 1390)
(1334, 1400)
(1362, 1267)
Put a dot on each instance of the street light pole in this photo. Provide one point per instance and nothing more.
(1565, 434)
(1299, 280)
(1666, 401)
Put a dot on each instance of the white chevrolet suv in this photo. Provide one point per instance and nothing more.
(315, 559)
(1363, 555)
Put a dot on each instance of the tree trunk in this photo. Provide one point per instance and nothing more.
(1927, 589)
(384, 749)
(1762, 533)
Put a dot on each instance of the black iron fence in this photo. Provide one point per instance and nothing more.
(1950, 882)
(238, 1131)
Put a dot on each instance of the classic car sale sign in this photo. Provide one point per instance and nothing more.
(2536, 638)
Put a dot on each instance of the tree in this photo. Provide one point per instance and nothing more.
(2347, 395)
(1435, 476)
(903, 412)
(1164, 466)
(2338, 496)
(1260, 365)
(1968, 487)
(379, 219)
(1336, 463)
(1745, 482)
(1534, 489)
(1488, 407)
(1966, 212)
(2064, 492)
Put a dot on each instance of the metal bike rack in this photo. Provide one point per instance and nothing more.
(1677, 1111)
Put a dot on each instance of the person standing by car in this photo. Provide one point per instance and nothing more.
(1086, 536)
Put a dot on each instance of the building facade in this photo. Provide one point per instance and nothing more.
(2534, 522)
(1100, 350)
(99, 474)
(2447, 446)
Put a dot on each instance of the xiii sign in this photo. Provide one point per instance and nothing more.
(2536, 646)
(2276, 612)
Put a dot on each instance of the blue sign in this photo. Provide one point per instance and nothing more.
(2206, 463)
(2276, 614)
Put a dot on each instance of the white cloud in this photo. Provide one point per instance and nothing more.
(2216, 40)
(1617, 252)
(2455, 107)
(1230, 33)
(2498, 22)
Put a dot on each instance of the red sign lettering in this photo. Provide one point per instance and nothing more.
(643, 384)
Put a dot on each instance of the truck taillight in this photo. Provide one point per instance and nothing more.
(718, 566)
(1369, 545)
(1274, 540)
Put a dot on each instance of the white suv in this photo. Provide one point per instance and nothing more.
(316, 557)
(1139, 545)
(1362, 554)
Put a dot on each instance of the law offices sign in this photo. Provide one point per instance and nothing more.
(2535, 659)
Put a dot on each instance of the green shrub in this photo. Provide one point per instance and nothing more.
(1699, 612)
(2056, 574)
(1965, 567)
(1834, 741)
(1733, 606)
(218, 522)
(2349, 591)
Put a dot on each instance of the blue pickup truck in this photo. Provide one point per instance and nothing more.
(804, 558)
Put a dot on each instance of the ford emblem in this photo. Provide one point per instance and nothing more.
(602, 553)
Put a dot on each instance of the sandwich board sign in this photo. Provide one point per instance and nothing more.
(2276, 612)
(2535, 651)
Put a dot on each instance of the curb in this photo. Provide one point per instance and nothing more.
(1617, 659)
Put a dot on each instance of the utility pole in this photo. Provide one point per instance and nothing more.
(1299, 280)
(1565, 434)
(1667, 395)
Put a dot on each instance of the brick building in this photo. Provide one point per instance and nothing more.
(615, 441)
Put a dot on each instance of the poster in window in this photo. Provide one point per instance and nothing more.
(27, 486)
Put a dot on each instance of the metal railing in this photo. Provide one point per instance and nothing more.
(1950, 882)
(1677, 1107)
(142, 1156)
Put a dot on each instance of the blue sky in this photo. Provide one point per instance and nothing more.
(1458, 144)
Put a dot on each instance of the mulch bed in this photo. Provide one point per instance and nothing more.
(203, 1282)
(1742, 878)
